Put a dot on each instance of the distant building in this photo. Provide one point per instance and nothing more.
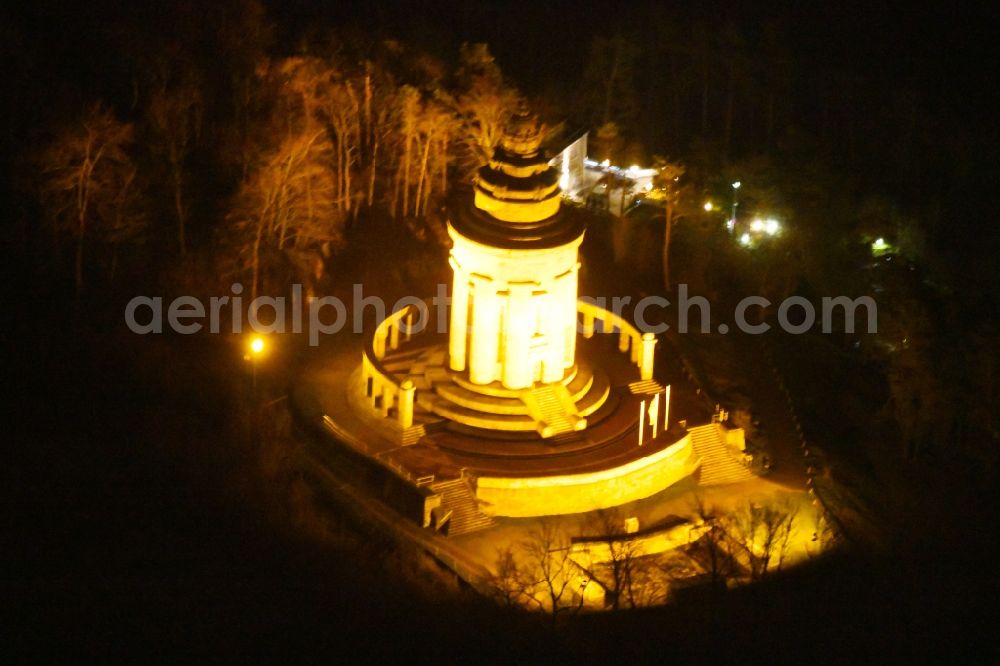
(569, 160)
(601, 185)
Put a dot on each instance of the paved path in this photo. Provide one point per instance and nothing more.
(772, 409)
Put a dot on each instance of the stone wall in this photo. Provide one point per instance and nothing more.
(577, 493)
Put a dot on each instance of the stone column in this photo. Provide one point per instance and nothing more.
(394, 335)
(405, 408)
(485, 342)
(519, 327)
(554, 314)
(386, 398)
(366, 373)
(567, 294)
(646, 356)
(458, 330)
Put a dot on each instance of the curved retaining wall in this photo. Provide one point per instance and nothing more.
(577, 493)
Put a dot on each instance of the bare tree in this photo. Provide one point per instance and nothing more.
(376, 126)
(424, 135)
(647, 585)
(298, 195)
(289, 202)
(619, 570)
(711, 549)
(509, 584)
(763, 531)
(483, 106)
(408, 119)
(174, 116)
(89, 184)
(669, 177)
(671, 568)
(127, 221)
(550, 573)
(436, 128)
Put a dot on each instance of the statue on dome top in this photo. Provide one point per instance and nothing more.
(523, 133)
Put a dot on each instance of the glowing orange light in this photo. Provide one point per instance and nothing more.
(257, 345)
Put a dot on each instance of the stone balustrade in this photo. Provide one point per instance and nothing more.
(639, 345)
(384, 390)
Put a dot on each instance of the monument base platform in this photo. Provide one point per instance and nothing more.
(515, 473)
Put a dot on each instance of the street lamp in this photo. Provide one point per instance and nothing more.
(256, 349)
(732, 220)
(708, 206)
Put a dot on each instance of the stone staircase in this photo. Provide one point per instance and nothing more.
(567, 438)
(458, 498)
(718, 465)
(549, 409)
(552, 411)
(645, 387)
(413, 434)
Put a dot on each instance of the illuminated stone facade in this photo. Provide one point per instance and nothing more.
(557, 494)
(510, 364)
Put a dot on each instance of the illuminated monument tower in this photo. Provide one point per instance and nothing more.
(513, 317)
(514, 296)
